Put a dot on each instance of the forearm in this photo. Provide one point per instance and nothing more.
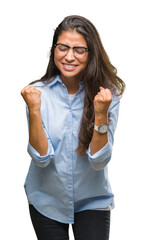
(98, 140)
(37, 136)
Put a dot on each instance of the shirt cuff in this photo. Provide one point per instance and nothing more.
(101, 158)
(41, 161)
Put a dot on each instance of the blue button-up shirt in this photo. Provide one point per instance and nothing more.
(62, 182)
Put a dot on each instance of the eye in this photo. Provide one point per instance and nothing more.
(62, 48)
(80, 50)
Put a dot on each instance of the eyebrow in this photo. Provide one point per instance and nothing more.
(70, 46)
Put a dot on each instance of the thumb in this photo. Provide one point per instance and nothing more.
(101, 88)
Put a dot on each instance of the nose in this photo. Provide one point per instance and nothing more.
(70, 55)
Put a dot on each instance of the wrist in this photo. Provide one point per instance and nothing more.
(100, 119)
(34, 111)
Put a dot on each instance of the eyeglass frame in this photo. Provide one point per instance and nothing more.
(65, 45)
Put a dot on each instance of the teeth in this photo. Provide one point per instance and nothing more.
(69, 66)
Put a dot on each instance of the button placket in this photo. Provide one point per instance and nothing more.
(70, 164)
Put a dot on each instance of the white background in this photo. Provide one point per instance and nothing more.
(26, 30)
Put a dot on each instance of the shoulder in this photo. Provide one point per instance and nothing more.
(45, 85)
(38, 84)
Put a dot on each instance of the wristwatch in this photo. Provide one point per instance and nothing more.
(103, 128)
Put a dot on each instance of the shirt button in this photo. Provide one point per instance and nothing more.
(70, 202)
(70, 186)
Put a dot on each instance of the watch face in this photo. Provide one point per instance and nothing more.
(103, 128)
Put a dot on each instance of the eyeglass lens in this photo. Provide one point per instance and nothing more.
(63, 49)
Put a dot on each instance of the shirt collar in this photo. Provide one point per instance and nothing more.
(55, 80)
(58, 79)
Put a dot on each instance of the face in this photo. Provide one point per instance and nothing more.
(71, 65)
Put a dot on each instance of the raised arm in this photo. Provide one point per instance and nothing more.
(37, 136)
(101, 105)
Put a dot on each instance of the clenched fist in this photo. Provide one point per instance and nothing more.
(32, 97)
(102, 101)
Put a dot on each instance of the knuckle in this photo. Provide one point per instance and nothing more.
(28, 90)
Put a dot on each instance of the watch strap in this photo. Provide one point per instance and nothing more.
(96, 128)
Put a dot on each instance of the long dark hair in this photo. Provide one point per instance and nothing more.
(99, 72)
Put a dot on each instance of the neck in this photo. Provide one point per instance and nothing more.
(71, 84)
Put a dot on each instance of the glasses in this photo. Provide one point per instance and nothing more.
(62, 50)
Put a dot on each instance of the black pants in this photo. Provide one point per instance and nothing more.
(88, 225)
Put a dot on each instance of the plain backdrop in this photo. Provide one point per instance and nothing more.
(26, 30)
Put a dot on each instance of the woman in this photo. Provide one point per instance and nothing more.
(72, 112)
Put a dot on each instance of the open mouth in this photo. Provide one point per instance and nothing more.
(69, 66)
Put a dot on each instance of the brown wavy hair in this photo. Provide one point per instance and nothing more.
(99, 72)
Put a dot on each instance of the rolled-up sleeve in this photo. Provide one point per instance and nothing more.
(101, 158)
(41, 161)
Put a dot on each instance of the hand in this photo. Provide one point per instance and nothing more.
(102, 101)
(32, 97)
